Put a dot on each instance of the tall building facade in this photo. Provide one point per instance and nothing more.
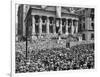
(20, 22)
(86, 17)
(20, 26)
(36, 21)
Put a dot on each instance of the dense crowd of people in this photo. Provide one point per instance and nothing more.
(56, 59)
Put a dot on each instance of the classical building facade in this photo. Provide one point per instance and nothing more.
(51, 21)
(54, 21)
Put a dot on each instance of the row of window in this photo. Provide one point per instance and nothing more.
(92, 26)
(91, 37)
(91, 17)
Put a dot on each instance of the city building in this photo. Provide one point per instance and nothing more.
(49, 22)
(20, 25)
(86, 23)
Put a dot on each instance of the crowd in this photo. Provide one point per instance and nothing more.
(56, 59)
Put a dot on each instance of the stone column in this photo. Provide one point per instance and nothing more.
(72, 28)
(48, 22)
(60, 25)
(54, 26)
(76, 26)
(33, 28)
(40, 25)
(66, 26)
(33, 25)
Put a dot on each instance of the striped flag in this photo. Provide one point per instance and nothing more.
(58, 11)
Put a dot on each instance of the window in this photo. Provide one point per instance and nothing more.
(44, 18)
(80, 28)
(92, 10)
(83, 37)
(92, 36)
(63, 25)
(51, 28)
(83, 18)
(69, 29)
(63, 21)
(92, 17)
(36, 28)
(83, 12)
(92, 24)
(83, 26)
(69, 22)
(63, 28)
(51, 19)
(36, 21)
(44, 21)
(44, 28)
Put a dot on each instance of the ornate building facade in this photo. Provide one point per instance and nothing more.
(54, 21)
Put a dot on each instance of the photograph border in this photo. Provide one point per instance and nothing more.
(13, 20)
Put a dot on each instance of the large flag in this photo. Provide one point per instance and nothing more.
(58, 11)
